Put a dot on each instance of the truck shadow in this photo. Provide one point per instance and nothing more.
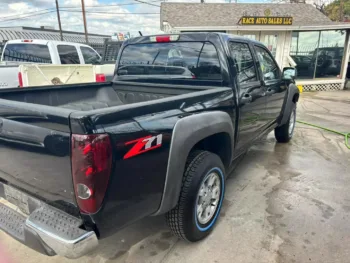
(147, 237)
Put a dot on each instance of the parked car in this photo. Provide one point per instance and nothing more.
(85, 160)
(17, 52)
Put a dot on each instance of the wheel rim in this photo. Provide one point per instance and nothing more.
(291, 123)
(208, 198)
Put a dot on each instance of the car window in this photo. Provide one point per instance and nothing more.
(68, 54)
(244, 63)
(90, 56)
(27, 53)
(268, 66)
(176, 60)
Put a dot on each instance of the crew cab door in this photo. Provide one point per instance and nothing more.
(251, 93)
(273, 86)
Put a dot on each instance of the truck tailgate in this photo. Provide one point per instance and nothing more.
(35, 153)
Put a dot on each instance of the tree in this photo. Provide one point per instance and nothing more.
(338, 9)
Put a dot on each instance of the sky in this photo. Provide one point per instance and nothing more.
(118, 16)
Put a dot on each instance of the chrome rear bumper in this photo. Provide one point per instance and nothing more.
(42, 227)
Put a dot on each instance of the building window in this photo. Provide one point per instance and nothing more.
(318, 54)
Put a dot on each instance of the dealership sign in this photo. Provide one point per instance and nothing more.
(263, 20)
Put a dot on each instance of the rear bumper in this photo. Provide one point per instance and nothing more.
(43, 227)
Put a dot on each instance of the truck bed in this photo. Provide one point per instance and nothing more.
(36, 125)
(85, 97)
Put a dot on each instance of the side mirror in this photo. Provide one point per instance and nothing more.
(289, 73)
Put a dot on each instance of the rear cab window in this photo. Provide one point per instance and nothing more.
(27, 52)
(175, 60)
(68, 54)
(90, 56)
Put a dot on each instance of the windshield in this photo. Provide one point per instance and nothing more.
(180, 60)
(27, 53)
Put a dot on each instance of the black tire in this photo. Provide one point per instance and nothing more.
(282, 133)
(182, 219)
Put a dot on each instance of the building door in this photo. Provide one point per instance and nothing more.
(250, 34)
(274, 42)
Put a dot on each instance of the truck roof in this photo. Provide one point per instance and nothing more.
(193, 36)
(42, 42)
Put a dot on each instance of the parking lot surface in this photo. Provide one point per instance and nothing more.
(283, 203)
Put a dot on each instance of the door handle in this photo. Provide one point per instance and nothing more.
(246, 98)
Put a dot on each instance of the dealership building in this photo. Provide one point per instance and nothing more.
(297, 35)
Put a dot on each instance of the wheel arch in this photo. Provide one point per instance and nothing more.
(197, 131)
(291, 98)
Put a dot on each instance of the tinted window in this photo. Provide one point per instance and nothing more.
(90, 56)
(243, 60)
(27, 53)
(268, 66)
(190, 60)
(68, 54)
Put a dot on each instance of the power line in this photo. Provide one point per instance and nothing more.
(25, 17)
(138, 3)
(148, 3)
(111, 13)
(39, 11)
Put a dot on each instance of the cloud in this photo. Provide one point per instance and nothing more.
(113, 19)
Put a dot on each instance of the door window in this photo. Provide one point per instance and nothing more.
(90, 56)
(244, 63)
(268, 66)
(68, 54)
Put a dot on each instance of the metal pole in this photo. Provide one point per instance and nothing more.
(59, 20)
(84, 18)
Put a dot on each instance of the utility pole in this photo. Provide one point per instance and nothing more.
(202, 1)
(84, 18)
(59, 20)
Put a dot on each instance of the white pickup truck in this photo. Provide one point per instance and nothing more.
(18, 52)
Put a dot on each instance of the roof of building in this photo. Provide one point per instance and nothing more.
(47, 29)
(229, 14)
(11, 33)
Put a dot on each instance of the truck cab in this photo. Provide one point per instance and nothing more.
(49, 52)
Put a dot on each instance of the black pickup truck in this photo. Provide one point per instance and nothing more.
(79, 162)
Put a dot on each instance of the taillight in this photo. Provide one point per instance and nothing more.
(27, 40)
(20, 79)
(164, 38)
(91, 168)
(100, 78)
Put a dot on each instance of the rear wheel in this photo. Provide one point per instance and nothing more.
(202, 192)
(285, 132)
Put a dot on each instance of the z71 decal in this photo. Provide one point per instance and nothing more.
(144, 144)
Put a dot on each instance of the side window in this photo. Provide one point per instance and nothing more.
(90, 56)
(68, 54)
(268, 66)
(244, 62)
(208, 67)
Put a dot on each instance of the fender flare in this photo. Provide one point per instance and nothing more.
(187, 132)
(289, 99)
